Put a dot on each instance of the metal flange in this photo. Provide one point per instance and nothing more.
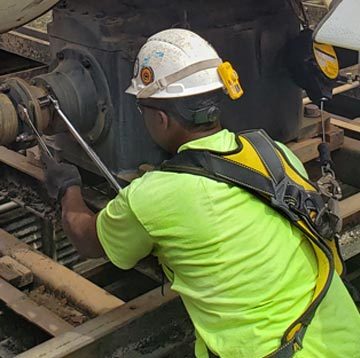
(21, 92)
(9, 124)
(80, 85)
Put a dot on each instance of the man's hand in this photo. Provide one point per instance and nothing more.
(63, 183)
(59, 177)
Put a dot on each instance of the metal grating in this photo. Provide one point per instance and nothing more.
(37, 232)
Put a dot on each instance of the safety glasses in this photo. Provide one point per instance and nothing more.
(140, 107)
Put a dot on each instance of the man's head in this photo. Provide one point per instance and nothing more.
(172, 122)
(178, 87)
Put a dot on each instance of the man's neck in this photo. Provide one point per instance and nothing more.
(189, 136)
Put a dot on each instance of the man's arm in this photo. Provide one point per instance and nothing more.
(115, 231)
(63, 183)
(79, 224)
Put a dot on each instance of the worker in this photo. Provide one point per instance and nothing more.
(244, 272)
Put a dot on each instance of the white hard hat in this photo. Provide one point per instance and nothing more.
(341, 26)
(175, 63)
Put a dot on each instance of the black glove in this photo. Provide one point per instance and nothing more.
(59, 176)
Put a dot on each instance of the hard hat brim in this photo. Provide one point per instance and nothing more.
(185, 93)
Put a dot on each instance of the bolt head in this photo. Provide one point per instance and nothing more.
(86, 63)
(4, 88)
(60, 56)
(62, 4)
(100, 15)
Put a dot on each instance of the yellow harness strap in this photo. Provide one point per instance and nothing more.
(249, 156)
(260, 166)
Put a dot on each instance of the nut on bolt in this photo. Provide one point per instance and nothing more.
(102, 106)
(312, 111)
(86, 63)
(60, 56)
(4, 88)
(62, 5)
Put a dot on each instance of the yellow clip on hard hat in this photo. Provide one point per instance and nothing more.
(231, 81)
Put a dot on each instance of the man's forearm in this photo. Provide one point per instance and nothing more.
(79, 223)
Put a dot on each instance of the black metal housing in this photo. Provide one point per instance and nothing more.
(250, 34)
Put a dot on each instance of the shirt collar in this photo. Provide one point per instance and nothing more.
(221, 141)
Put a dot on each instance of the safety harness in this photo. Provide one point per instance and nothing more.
(260, 166)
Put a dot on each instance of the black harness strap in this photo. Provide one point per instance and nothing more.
(213, 165)
(278, 187)
(288, 349)
(205, 163)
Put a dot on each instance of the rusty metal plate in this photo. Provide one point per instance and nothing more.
(15, 13)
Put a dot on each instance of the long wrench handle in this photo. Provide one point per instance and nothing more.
(90, 152)
(24, 115)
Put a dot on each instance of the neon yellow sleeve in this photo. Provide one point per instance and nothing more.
(124, 239)
(294, 160)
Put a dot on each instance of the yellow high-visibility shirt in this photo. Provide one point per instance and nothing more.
(242, 270)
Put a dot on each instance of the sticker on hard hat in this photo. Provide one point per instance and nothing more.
(327, 60)
(230, 79)
(136, 67)
(147, 75)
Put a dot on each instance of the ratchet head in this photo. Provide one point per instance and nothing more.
(23, 112)
(24, 116)
(54, 101)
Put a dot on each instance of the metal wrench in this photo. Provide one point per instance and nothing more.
(24, 116)
(89, 151)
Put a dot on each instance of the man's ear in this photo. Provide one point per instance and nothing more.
(164, 119)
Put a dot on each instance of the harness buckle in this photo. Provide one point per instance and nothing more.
(282, 201)
(328, 222)
(298, 344)
(328, 185)
(297, 340)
